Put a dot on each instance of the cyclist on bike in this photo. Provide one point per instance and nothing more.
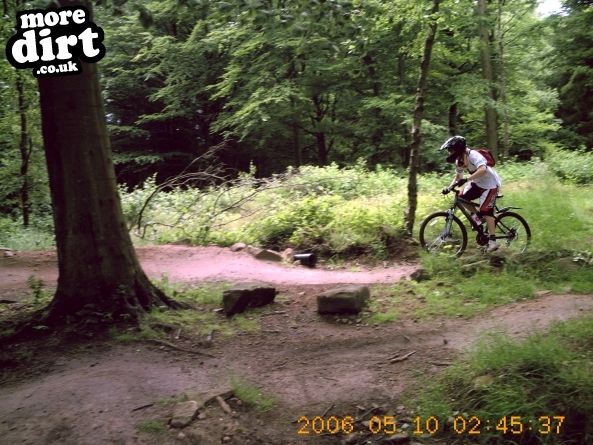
(483, 181)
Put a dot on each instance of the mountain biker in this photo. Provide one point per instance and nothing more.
(483, 181)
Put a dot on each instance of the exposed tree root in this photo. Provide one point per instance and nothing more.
(92, 310)
(178, 348)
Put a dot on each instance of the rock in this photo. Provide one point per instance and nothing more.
(252, 250)
(343, 300)
(268, 255)
(198, 437)
(264, 254)
(288, 255)
(237, 247)
(306, 259)
(420, 274)
(247, 295)
(8, 253)
(396, 439)
(184, 413)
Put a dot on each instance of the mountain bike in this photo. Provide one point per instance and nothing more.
(444, 232)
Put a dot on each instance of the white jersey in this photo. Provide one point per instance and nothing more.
(475, 160)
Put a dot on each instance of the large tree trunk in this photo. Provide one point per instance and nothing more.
(414, 149)
(98, 268)
(489, 77)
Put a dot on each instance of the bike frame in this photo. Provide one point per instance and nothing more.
(459, 203)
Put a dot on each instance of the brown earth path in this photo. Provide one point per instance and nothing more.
(311, 365)
(194, 264)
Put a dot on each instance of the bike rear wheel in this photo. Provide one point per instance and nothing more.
(441, 233)
(512, 232)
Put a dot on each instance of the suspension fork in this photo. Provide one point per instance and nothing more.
(449, 221)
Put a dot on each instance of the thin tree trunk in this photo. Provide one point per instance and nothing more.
(321, 148)
(502, 82)
(23, 148)
(98, 267)
(296, 143)
(414, 161)
(488, 74)
(453, 119)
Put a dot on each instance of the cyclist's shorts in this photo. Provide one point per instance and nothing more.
(487, 198)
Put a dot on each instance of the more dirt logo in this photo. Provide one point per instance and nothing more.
(54, 41)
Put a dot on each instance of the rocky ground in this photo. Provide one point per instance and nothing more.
(325, 374)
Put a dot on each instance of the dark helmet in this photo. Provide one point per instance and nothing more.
(455, 146)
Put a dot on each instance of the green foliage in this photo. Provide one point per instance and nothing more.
(453, 290)
(38, 236)
(573, 166)
(153, 427)
(559, 215)
(345, 211)
(572, 40)
(36, 285)
(251, 394)
(545, 375)
(199, 320)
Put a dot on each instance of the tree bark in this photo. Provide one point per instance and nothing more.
(24, 148)
(502, 82)
(488, 74)
(321, 148)
(296, 143)
(453, 130)
(414, 148)
(98, 267)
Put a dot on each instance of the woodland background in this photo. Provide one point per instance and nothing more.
(232, 93)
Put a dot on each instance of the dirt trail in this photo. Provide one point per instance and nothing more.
(310, 364)
(194, 264)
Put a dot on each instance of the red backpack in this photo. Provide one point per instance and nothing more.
(490, 162)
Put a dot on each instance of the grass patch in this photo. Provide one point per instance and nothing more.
(153, 427)
(383, 317)
(545, 375)
(130, 335)
(251, 394)
(447, 293)
(198, 321)
(14, 236)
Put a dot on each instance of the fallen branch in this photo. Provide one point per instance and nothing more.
(327, 410)
(402, 358)
(225, 406)
(273, 313)
(441, 363)
(178, 348)
(148, 405)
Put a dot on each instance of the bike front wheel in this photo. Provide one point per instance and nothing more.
(443, 233)
(512, 232)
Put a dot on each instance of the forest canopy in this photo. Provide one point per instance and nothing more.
(278, 83)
